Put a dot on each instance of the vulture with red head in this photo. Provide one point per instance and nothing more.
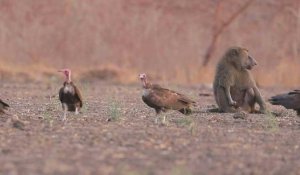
(289, 100)
(3, 106)
(69, 95)
(162, 99)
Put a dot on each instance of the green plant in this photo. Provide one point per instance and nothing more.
(114, 111)
(179, 170)
(271, 122)
(183, 122)
(47, 117)
(187, 122)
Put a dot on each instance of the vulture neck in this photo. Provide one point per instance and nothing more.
(146, 84)
(68, 78)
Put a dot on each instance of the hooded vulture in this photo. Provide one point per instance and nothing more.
(289, 100)
(69, 95)
(162, 99)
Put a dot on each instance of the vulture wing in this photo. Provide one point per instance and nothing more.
(170, 99)
(78, 95)
(289, 100)
(3, 106)
(74, 98)
(294, 92)
(61, 92)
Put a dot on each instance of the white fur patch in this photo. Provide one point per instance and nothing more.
(68, 89)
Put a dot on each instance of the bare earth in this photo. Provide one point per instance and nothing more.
(118, 134)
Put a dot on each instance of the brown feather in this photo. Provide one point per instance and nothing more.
(78, 94)
(72, 98)
(3, 106)
(166, 99)
(290, 100)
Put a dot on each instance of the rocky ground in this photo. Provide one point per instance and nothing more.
(116, 133)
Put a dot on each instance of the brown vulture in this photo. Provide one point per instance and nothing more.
(69, 95)
(162, 99)
(3, 106)
(289, 100)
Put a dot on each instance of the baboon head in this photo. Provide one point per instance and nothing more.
(239, 57)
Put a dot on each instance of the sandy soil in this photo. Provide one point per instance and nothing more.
(118, 134)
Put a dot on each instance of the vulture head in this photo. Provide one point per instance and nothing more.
(67, 73)
(143, 78)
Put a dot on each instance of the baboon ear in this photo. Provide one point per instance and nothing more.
(234, 58)
(234, 52)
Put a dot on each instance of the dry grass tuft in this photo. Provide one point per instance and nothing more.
(282, 75)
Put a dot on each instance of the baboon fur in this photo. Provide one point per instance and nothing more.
(234, 87)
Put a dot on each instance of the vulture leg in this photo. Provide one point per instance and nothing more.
(158, 111)
(158, 119)
(185, 111)
(65, 108)
(164, 120)
(76, 111)
(158, 114)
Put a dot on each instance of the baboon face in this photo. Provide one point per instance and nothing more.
(249, 62)
(240, 58)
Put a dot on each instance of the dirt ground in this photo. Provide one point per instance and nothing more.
(116, 133)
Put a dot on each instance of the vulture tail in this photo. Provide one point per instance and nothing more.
(187, 101)
(4, 104)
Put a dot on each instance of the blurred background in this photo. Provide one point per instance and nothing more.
(177, 41)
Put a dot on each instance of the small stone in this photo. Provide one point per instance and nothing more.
(240, 115)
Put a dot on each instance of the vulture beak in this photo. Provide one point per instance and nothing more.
(64, 71)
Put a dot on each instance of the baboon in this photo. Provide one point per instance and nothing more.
(234, 87)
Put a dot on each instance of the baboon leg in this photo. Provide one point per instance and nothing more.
(222, 101)
(249, 101)
(259, 100)
(228, 96)
(216, 96)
